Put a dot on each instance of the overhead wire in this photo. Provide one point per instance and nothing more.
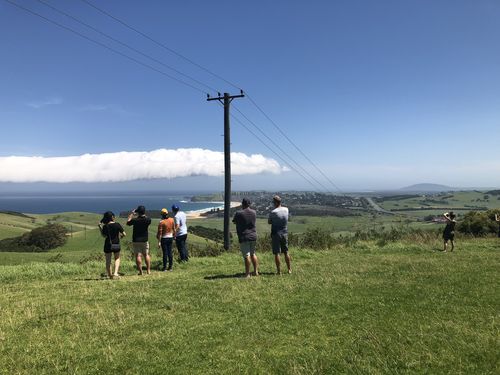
(219, 77)
(158, 43)
(280, 149)
(104, 46)
(293, 143)
(123, 44)
(270, 149)
(135, 60)
(179, 80)
(273, 151)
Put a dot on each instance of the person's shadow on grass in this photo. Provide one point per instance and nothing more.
(239, 275)
(102, 278)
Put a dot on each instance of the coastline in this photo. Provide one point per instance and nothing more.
(198, 213)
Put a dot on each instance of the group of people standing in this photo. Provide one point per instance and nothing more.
(170, 229)
(247, 235)
(174, 228)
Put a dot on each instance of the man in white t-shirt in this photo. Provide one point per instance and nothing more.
(278, 218)
(180, 233)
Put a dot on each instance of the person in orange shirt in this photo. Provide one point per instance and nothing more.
(165, 236)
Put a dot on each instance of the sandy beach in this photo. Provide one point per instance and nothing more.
(198, 214)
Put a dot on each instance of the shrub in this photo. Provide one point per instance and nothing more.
(208, 233)
(317, 239)
(40, 239)
(479, 223)
(210, 249)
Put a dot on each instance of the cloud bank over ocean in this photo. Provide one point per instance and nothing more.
(129, 166)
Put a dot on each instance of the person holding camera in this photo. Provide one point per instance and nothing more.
(449, 230)
(140, 245)
(112, 232)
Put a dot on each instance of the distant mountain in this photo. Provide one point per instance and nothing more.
(423, 188)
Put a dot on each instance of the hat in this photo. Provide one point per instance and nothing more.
(164, 211)
(175, 207)
(140, 210)
(246, 202)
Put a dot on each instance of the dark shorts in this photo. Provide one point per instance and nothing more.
(279, 243)
(107, 250)
(450, 236)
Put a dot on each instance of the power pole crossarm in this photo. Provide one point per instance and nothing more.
(226, 102)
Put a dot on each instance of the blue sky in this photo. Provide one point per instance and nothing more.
(379, 94)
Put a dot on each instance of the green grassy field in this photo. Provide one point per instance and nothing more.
(401, 308)
(461, 200)
(84, 239)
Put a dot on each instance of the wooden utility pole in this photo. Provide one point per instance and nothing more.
(226, 102)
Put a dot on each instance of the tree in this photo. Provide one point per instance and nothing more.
(478, 223)
(44, 238)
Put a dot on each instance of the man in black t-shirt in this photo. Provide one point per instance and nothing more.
(140, 244)
(247, 235)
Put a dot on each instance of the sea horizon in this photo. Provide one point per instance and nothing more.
(99, 202)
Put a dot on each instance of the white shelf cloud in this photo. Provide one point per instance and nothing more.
(129, 166)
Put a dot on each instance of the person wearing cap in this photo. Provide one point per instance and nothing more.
(180, 233)
(165, 236)
(278, 218)
(247, 235)
(140, 245)
(449, 230)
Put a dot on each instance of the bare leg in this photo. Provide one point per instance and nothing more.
(445, 246)
(247, 266)
(108, 264)
(278, 263)
(117, 263)
(255, 263)
(138, 262)
(288, 260)
(452, 245)
(148, 264)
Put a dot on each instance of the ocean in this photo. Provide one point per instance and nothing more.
(48, 203)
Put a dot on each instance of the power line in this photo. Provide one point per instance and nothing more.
(159, 43)
(279, 148)
(293, 144)
(104, 46)
(217, 76)
(273, 151)
(136, 61)
(124, 44)
(170, 76)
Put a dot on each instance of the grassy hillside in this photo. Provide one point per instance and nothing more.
(432, 203)
(84, 239)
(402, 308)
